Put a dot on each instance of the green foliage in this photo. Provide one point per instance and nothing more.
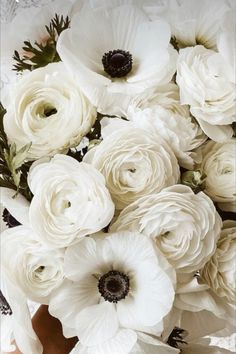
(195, 180)
(13, 169)
(41, 54)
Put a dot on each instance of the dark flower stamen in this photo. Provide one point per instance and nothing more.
(5, 308)
(117, 63)
(113, 286)
(9, 219)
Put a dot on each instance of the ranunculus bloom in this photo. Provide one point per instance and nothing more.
(134, 163)
(159, 110)
(114, 283)
(184, 225)
(70, 201)
(207, 85)
(145, 56)
(218, 164)
(220, 271)
(32, 266)
(47, 109)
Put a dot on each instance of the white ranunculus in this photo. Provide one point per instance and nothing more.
(184, 225)
(159, 110)
(134, 163)
(220, 271)
(70, 200)
(218, 164)
(124, 28)
(34, 268)
(207, 85)
(114, 283)
(47, 109)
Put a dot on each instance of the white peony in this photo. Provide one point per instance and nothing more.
(220, 271)
(34, 268)
(47, 109)
(159, 110)
(121, 53)
(70, 201)
(184, 225)
(114, 283)
(218, 164)
(207, 85)
(134, 163)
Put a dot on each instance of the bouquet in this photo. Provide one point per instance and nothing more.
(117, 142)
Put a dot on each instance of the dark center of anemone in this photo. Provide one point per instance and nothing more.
(5, 308)
(113, 286)
(117, 63)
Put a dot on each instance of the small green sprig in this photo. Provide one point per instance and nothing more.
(41, 54)
(13, 168)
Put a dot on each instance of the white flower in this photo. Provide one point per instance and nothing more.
(34, 268)
(47, 108)
(16, 204)
(28, 25)
(127, 341)
(144, 58)
(70, 201)
(184, 225)
(17, 322)
(206, 84)
(195, 348)
(201, 311)
(119, 282)
(218, 164)
(159, 110)
(226, 40)
(134, 163)
(220, 271)
(198, 22)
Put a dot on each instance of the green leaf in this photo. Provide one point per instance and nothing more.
(41, 54)
(13, 168)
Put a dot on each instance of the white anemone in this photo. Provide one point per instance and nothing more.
(118, 282)
(127, 28)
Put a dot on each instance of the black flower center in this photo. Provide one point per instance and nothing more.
(117, 63)
(113, 286)
(5, 308)
(49, 111)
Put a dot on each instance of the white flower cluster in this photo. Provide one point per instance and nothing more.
(118, 177)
